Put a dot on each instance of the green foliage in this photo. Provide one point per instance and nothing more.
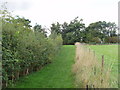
(75, 31)
(96, 40)
(56, 28)
(38, 28)
(24, 50)
(102, 30)
(113, 39)
(71, 32)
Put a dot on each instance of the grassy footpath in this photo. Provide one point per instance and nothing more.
(55, 75)
(110, 53)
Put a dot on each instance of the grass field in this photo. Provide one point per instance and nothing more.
(55, 75)
(110, 53)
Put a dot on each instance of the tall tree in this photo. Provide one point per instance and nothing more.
(72, 32)
(100, 29)
(56, 28)
(38, 28)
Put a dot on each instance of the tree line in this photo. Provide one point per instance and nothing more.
(96, 33)
(75, 31)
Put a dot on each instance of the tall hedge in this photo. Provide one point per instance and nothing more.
(24, 50)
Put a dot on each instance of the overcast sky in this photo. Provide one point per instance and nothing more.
(46, 12)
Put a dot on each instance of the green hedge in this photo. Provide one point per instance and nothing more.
(25, 51)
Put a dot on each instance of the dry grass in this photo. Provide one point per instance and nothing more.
(87, 69)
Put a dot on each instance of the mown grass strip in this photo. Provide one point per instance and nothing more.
(55, 75)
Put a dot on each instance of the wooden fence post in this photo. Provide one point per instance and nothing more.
(94, 70)
(89, 50)
(102, 68)
(94, 67)
(93, 86)
(102, 61)
(94, 53)
(87, 87)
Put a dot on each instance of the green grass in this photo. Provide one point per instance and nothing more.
(110, 53)
(55, 75)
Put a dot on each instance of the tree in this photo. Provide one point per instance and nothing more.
(56, 28)
(38, 28)
(72, 32)
(100, 29)
(96, 40)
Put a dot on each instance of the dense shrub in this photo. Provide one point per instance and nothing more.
(112, 39)
(96, 40)
(24, 50)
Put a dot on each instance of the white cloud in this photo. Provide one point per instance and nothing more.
(45, 12)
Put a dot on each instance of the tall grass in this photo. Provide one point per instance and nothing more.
(111, 60)
(88, 70)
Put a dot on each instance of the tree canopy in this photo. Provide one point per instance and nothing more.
(97, 32)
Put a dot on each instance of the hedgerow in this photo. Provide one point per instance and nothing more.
(25, 50)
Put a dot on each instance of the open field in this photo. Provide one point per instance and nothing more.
(110, 53)
(55, 75)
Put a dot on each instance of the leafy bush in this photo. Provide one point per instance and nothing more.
(112, 39)
(25, 50)
(96, 40)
